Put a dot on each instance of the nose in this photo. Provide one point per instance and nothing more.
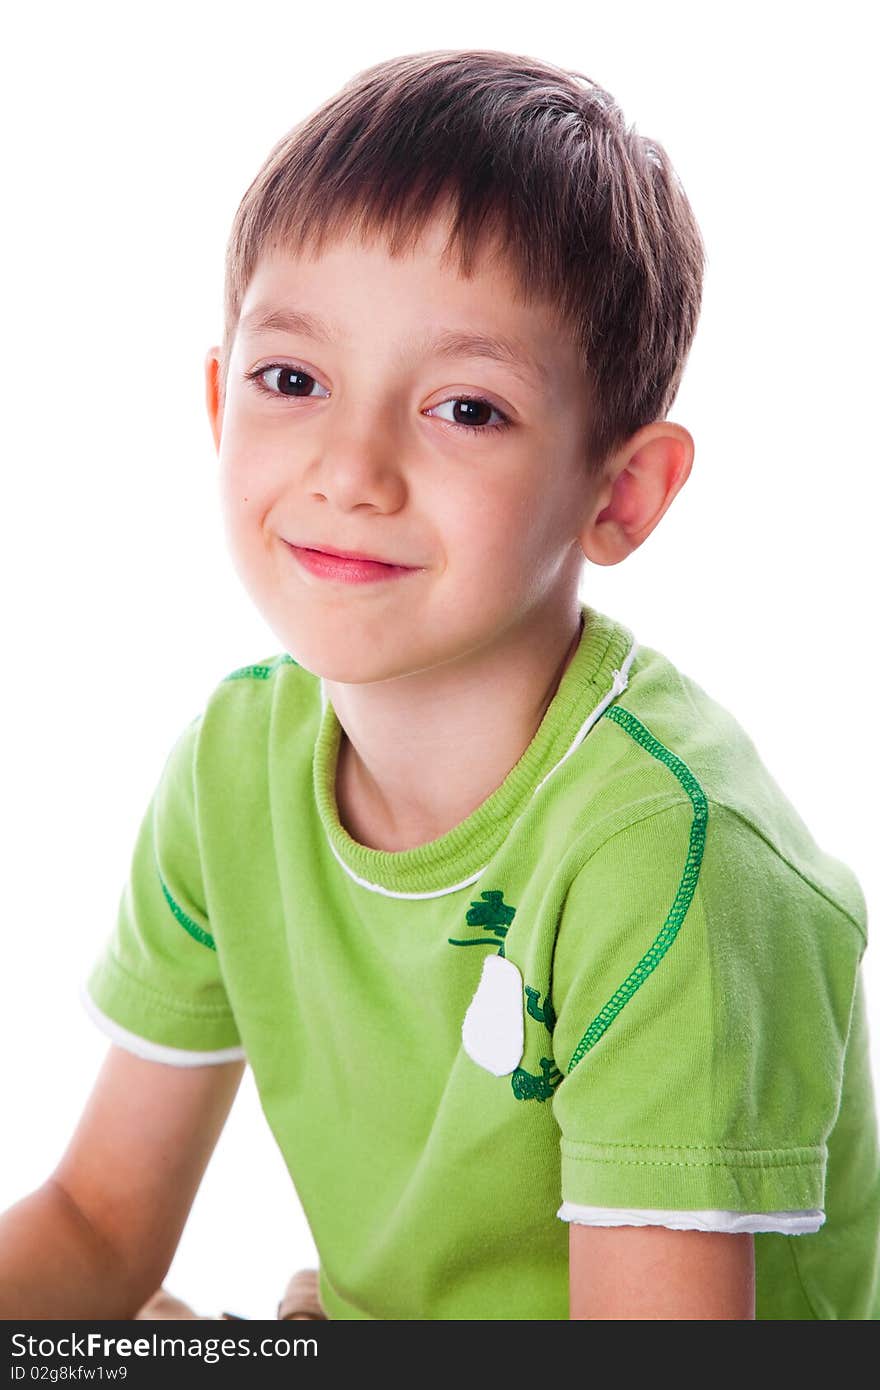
(358, 462)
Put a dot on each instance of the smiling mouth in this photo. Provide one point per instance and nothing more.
(348, 555)
(346, 568)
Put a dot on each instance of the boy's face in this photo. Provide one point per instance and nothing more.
(362, 441)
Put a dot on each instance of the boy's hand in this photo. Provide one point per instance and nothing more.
(652, 1272)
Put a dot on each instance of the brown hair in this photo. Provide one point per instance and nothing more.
(591, 215)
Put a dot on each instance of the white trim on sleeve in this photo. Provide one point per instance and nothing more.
(155, 1052)
(791, 1223)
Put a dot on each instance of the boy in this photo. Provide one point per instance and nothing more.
(553, 1004)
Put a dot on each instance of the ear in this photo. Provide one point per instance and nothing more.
(214, 394)
(639, 483)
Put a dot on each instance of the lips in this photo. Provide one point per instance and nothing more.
(348, 554)
(345, 569)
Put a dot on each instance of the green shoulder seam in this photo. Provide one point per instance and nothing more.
(686, 887)
(261, 671)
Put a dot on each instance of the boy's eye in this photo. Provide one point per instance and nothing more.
(290, 381)
(475, 411)
(294, 383)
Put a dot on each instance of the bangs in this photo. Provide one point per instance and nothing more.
(526, 163)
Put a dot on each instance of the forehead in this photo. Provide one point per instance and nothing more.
(354, 292)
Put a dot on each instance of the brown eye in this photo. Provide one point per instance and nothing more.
(468, 412)
(280, 379)
(471, 414)
(290, 381)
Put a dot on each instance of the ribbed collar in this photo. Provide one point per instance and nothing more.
(442, 865)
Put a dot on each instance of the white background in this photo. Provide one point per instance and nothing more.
(130, 134)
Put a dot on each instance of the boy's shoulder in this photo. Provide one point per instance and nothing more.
(258, 684)
(246, 709)
(665, 742)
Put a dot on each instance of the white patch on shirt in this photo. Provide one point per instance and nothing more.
(493, 1028)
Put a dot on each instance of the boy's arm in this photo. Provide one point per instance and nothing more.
(97, 1238)
(703, 997)
(653, 1272)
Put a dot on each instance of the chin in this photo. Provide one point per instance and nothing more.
(345, 665)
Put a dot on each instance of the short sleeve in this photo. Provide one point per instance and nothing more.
(156, 987)
(703, 992)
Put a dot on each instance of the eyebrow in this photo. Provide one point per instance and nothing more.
(447, 343)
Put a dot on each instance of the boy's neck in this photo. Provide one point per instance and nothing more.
(405, 778)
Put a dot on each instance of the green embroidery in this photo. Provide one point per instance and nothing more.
(261, 673)
(192, 927)
(493, 915)
(686, 888)
(527, 1086)
(544, 1015)
(473, 941)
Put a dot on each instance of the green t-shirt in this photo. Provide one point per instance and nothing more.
(626, 989)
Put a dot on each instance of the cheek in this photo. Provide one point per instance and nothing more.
(468, 523)
(247, 477)
(244, 504)
(503, 527)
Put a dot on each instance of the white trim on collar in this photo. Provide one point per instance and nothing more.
(618, 685)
